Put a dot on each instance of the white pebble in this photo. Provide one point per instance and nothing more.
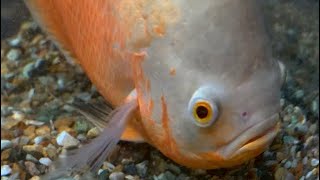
(66, 140)
(5, 170)
(45, 161)
(314, 162)
(38, 139)
(5, 144)
(116, 176)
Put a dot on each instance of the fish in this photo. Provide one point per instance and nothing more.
(194, 79)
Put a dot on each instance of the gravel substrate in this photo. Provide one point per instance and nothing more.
(37, 125)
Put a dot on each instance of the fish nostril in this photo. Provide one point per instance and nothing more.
(244, 114)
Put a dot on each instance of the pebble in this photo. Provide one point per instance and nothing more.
(130, 169)
(38, 139)
(314, 162)
(32, 148)
(43, 130)
(116, 176)
(93, 132)
(31, 168)
(15, 41)
(28, 70)
(102, 174)
(165, 176)
(280, 173)
(305, 160)
(35, 123)
(17, 115)
(82, 137)
(45, 161)
(299, 94)
(66, 140)
(14, 54)
(5, 144)
(142, 168)
(288, 164)
(301, 128)
(29, 157)
(313, 128)
(173, 168)
(5, 170)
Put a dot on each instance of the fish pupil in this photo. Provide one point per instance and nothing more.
(202, 112)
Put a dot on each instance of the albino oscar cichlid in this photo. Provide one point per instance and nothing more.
(194, 79)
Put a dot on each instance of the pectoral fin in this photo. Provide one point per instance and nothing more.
(91, 156)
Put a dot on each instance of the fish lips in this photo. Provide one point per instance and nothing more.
(255, 138)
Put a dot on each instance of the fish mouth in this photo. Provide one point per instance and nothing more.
(256, 138)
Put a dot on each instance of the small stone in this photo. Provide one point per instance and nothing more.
(94, 132)
(110, 167)
(34, 123)
(14, 54)
(85, 96)
(130, 169)
(280, 156)
(40, 64)
(5, 170)
(305, 160)
(301, 128)
(29, 157)
(51, 151)
(311, 174)
(31, 168)
(44, 130)
(313, 128)
(282, 102)
(315, 107)
(281, 173)
(17, 115)
(68, 122)
(173, 168)
(29, 131)
(81, 137)
(288, 164)
(35, 178)
(5, 154)
(314, 162)
(165, 176)
(15, 42)
(45, 161)
(288, 140)
(299, 94)
(5, 144)
(66, 140)
(33, 148)
(38, 139)
(102, 174)
(28, 70)
(142, 168)
(81, 126)
(116, 176)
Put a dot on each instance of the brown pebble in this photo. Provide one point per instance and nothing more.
(5, 154)
(33, 148)
(31, 168)
(30, 131)
(43, 130)
(67, 122)
(71, 131)
(6, 134)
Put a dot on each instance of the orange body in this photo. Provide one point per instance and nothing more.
(109, 38)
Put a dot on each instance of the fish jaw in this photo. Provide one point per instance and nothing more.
(220, 159)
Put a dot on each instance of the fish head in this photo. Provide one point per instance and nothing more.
(209, 90)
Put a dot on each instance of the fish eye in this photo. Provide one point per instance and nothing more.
(204, 112)
(203, 107)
